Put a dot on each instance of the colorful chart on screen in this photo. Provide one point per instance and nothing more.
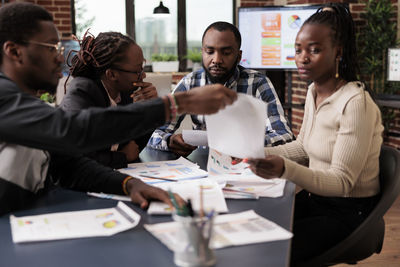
(269, 33)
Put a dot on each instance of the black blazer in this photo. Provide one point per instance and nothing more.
(83, 93)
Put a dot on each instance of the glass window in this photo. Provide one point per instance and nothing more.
(200, 14)
(155, 33)
(99, 16)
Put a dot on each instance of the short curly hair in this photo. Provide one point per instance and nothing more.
(19, 21)
(223, 26)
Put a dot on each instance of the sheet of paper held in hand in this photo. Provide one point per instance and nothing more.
(229, 230)
(239, 129)
(177, 170)
(239, 180)
(195, 137)
(213, 198)
(74, 224)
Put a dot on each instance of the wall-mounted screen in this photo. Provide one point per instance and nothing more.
(269, 33)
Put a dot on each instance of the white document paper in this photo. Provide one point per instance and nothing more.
(110, 196)
(239, 179)
(75, 224)
(258, 186)
(213, 198)
(195, 137)
(239, 129)
(229, 230)
(176, 170)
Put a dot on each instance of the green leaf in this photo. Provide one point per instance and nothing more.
(164, 57)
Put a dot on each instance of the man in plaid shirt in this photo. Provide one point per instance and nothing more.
(221, 56)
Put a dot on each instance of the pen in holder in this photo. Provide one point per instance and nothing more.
(194, 239)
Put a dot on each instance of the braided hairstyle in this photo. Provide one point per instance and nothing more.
(337, 17)
(98, 54)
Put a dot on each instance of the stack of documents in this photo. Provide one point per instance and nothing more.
(165, 171)
(75, 224)
(213, 198)
(228, 230)
(180, 176)
(239, 181)
(246, 120)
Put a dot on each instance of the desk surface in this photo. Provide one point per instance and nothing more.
(137, 247)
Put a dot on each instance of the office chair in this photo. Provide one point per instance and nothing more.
(367, 238)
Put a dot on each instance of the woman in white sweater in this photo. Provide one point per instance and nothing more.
(335, 158)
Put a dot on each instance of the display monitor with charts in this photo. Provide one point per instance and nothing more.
(269, 33)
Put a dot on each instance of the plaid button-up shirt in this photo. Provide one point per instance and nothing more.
(242, 81)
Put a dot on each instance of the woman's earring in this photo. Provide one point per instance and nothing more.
(337, 67)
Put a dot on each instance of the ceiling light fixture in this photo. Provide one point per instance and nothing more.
(161, 9)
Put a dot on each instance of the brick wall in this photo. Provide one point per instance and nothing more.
(299, 88)
(61, 11)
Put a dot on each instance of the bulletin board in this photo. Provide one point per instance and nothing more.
(394, 64)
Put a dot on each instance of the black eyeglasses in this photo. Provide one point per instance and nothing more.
(58, 47)
(138, 73)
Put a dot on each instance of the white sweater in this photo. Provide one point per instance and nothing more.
(340, 141)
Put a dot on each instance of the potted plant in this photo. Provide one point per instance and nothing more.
(373, 41)
(195, 56)
(47, 97)
(165, 63)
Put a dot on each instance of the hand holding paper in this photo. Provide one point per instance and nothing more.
(239, 129)
(269, 167)
(195, 138)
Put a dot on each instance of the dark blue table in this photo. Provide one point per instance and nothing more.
(137, 247)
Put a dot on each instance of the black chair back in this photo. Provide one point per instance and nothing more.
(367, 238)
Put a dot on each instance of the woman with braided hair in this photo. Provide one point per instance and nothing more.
(335, 159)
(108, 71)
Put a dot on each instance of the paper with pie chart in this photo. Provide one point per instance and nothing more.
(74, 224)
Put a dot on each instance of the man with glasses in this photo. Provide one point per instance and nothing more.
(117, 81)
(41, 146)
(58, 47)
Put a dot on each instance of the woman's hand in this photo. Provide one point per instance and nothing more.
(147, 91)
(140, 193)
(269, 167)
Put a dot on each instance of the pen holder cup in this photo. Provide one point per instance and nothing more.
(194, 238)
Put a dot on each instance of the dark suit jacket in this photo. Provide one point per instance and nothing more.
(83, 93)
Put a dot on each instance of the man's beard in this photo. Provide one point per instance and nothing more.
(219, 79)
